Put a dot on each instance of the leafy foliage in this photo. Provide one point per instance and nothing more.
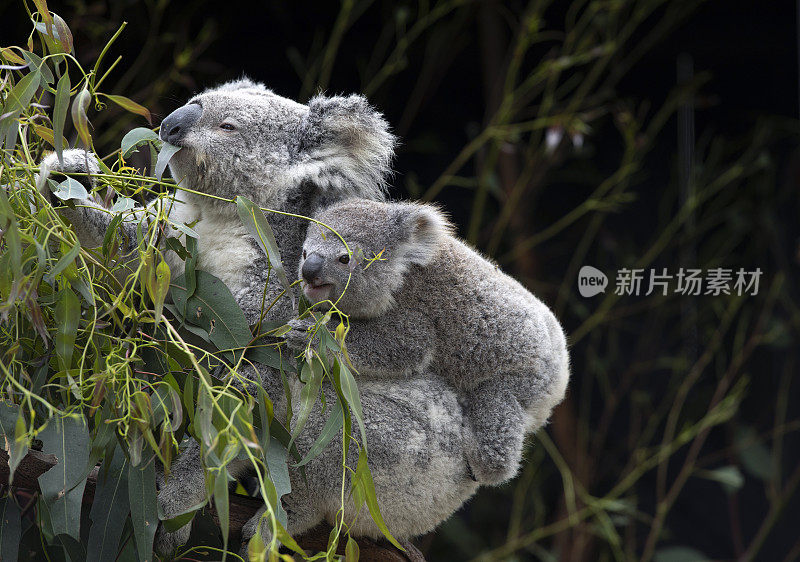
(108, 359)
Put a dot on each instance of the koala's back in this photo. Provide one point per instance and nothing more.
(486, 322)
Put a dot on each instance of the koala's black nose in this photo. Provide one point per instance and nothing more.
(176, 124)
(312, 267)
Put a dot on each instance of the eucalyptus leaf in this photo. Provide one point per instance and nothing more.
(70, 188)
(144, 507)
(123, 204)
(253, 219)
(63, 262)
(109, 509)
(329, 431)
(213, 308)
(79, 118)
(222, 505)
(135, 138)
(164, 156)
(130, 105)
(10, 529)
(68, 311)
(362, 481)
(60, 114)
(62, 486)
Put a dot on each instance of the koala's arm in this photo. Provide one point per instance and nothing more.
(90, 220)
(393, 345)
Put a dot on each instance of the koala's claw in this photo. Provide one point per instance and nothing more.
(297, 338)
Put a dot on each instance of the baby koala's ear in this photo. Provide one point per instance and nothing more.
(349, 135)
(423, 229)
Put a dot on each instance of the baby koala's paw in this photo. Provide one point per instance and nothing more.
(298, 336)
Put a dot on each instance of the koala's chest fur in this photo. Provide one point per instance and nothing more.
(225, 247)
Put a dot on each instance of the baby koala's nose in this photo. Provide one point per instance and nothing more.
(312, 268)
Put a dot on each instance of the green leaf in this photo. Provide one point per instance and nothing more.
(311, 375)
(730, 477)
(182, 519)
(213, 308)
(60, 114)
(329, 431)
(350, 392)
(110, 233)
(130, 105)
(10, 529)
(68, 312)
(18, 99)
(164, 156)
(136, 137)
(62, 486)
(221, 504)
(12, 428)
(255, 222)
(362, 480)
(279, 432)
(123, 204)
(158, 286)
(277, 459)
(70, 188)
(63, 263)
(189, 396)
(21, 94)
(79, 118)
(351, 552)
(189, 266)
(109, 509)
(754, 454)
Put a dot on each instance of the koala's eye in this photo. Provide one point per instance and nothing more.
(227, 127)
(344, 258)
(304, 254)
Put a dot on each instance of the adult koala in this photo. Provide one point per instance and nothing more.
(242, 139)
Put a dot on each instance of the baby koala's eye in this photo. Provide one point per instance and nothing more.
(304, 254)
(227, 127)
(344, 258)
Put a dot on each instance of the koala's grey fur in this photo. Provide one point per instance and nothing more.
(458, 314)
(294, 158)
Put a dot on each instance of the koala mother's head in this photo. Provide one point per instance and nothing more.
(243, 139)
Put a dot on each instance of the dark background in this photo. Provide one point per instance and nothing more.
(438, 101)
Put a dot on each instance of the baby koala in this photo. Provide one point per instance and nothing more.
(418, 298)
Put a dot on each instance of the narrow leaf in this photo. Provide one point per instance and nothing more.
(10, 529)
(144, 508)
(132, 106)
(329, 431)
(364, 476)
(164, 156)
(79, 118)
(60, 114)
(68, 311)
(222, 505)
(253, 219)
(109, 509)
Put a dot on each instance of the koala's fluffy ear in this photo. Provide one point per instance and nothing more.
(423, 229)
(349, 137)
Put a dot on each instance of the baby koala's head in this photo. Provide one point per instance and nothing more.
(385, 240)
